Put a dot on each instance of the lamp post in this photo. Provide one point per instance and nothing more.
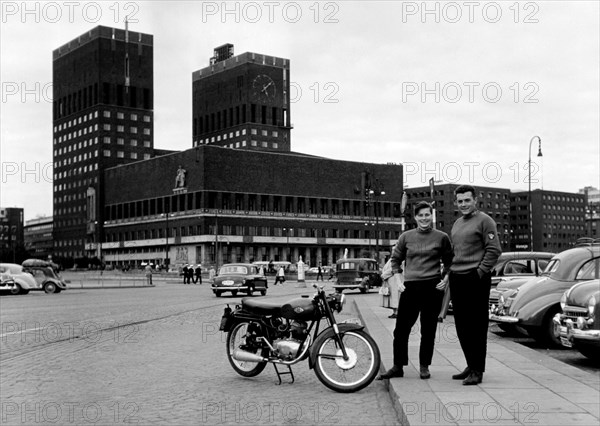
(166, 215)
(217, 240)
(376, 191)
(530, 204)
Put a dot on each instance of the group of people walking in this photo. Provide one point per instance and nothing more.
(192, 275)
(430, 261)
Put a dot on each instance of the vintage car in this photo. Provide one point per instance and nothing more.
(357, 274)
(6, 283)
(46, 275)
(24, 281)
(514, 269)
(239, 278)
(533, 306)
(579, 323)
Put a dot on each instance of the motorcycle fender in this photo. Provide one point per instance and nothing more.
(326, 334)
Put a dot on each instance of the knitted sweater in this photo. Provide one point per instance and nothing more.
(475, 243)
(422, 251)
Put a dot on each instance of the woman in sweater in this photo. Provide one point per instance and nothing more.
(422, 250)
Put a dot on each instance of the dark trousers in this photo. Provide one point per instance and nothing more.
(419, 297)
(470, 300)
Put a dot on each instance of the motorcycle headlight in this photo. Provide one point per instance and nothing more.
(563, 301)
(591, 305)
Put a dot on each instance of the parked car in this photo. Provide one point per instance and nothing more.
(359, 273)
(534, 305)
(578, 325)
(239, 278)
(514, 269)
(6, 283)
(24, 281)
(46, 275)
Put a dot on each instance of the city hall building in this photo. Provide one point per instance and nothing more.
(238, 194)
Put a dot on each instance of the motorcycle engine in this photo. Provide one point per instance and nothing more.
(287, 348)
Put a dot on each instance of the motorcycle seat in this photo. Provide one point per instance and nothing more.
(259, 307)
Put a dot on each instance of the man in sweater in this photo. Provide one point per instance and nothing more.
(422, 249)
(476, 251)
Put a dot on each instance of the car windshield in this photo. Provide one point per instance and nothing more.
(353, 266)
(588, 271)
(233, 269)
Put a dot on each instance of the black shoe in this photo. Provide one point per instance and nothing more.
(461, 376)
(393, 316)
(474, 378)
(424, 372)
(395, 371)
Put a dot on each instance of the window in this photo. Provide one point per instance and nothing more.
(147, 118)
(120, 128)
(120, 154)
(133, 117)
(120, 141)
(120, 115)
(134, 155)
(146, 131)
(106, 152)
(133, 142)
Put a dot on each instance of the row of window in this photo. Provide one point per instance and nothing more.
(121, 141)
(244, 143)
(267, 231)
(121, 116)
(82, 144)
(121, 154)
(230, 135)
(75, 159)
(83, 183)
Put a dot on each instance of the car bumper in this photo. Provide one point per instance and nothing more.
(570, 332)
(229, 288)
(505, 319)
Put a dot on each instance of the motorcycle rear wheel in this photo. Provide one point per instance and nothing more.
(355, 373)
(243, 336)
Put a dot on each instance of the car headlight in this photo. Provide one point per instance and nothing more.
(563, 301)
(591, 305)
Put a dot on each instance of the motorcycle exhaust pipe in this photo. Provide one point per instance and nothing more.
(241, 355)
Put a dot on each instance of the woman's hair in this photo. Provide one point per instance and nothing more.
(422, 205)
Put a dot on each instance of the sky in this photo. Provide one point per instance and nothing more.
(455, 91)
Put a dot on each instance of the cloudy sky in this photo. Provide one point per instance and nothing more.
(453, 90)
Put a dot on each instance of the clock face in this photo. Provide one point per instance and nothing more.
(263, 88)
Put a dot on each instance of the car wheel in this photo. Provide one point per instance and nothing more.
(263, 292)
(218, 293)
(50, 288)
(16, 289)
(234, 293)
(545, 334)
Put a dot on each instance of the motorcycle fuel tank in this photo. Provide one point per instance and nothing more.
(300, 308)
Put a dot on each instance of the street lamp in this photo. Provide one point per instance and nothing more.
(376, 191)
(530, 207)
(166, 215)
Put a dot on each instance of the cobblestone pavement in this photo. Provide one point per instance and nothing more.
(167, 367)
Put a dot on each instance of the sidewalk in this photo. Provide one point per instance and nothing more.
(520, 385)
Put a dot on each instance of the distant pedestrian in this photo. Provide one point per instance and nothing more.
(211, 273)
(319, 272)
(198, 272)
(331, 273)
(148, 270)
(184, 273)
(190, 274)
(280, 278)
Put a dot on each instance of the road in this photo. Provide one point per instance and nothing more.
(153, 356)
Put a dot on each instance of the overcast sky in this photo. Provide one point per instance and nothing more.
(452, 90)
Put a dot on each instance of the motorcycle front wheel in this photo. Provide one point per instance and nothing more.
(243, 336)
(353, 374)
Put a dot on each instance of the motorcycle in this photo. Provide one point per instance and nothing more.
(344, 356)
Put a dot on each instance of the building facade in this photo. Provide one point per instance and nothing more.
(242, 102)
(38, 237)
(11, 234)
(230, 207)
(102, 117)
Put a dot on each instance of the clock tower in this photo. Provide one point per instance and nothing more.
(242, 102)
